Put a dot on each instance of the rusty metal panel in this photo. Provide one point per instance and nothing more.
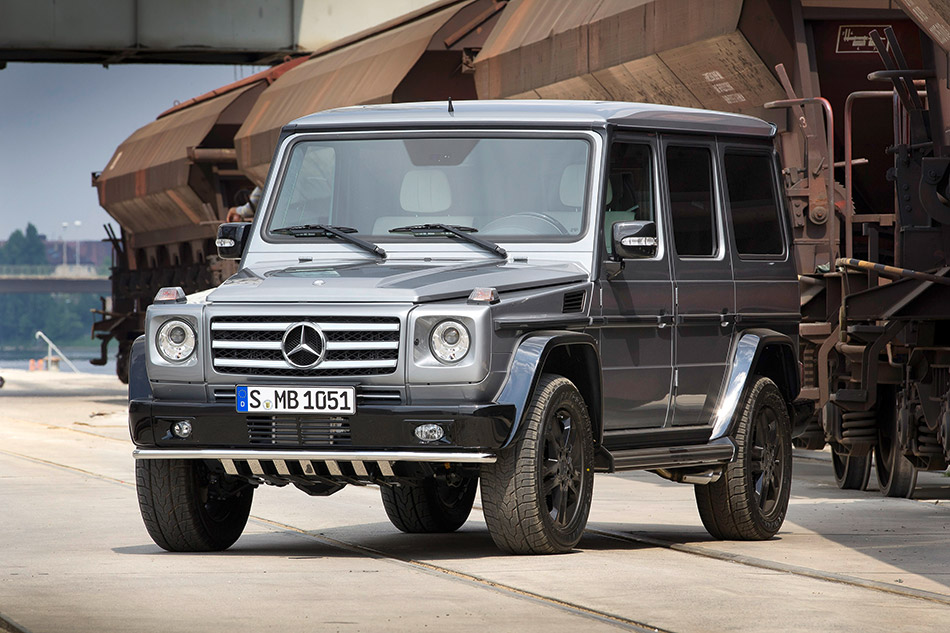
(724, 73)
(558, 47)
(148, 182)
(363, 72)
(932, 16)
(648, 80)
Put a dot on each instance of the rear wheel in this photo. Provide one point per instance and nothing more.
(536, 497)
(188, 508)
(749, 501)
(431, 505)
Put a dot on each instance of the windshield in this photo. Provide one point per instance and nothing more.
(515, 189)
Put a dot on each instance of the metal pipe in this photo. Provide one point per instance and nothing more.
(893, 271)
(52, 346)
(829, 133)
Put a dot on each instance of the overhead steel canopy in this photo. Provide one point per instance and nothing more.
(182, 31)
(421, 56)
(683, 52)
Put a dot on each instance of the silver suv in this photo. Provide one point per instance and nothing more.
(516, 293)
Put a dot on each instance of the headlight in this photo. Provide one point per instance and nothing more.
(175, 340)
(449, 341)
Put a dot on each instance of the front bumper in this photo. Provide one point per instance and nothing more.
(472, 432)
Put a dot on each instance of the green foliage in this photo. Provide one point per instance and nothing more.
(65, 318)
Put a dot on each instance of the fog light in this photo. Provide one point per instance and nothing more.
(182, 429)
(429, 432)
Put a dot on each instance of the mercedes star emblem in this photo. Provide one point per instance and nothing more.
(303, 345)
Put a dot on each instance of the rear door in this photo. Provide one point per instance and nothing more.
(704, 291)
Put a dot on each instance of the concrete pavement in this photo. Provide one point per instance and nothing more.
(74, 555)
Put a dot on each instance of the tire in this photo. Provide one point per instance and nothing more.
(851, 472)
(536, 497)
(187, 508)
(749, 501)
(429, 506)
(896, 474)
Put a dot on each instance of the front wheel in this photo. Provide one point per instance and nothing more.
(188, 508)
(896, 475)
(536, 497)
(749, 501)
(431, 505)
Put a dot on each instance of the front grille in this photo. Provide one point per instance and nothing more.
(290, 431)
(356, 346)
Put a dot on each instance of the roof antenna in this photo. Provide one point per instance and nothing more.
(451, 107)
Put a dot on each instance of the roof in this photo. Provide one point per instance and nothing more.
(536, 113)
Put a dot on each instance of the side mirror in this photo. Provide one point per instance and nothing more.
(635, 240)
(232, 238)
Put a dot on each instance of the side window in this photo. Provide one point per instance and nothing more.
(689, 173)
(629, 194)
(755, 211)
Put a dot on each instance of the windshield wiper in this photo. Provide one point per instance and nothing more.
(463, 232)
(342, 232)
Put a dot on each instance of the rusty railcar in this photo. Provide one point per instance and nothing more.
(861, 102)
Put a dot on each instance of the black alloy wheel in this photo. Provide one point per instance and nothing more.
(536, 497)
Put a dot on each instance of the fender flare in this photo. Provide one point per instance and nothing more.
(524, 372)
(746, 354)
(139, 386)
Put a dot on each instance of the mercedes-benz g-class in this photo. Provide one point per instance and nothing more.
(517, 293)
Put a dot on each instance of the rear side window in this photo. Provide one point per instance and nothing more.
(755, 211)
(689, 173)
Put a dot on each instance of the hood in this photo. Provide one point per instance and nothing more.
(397, 282)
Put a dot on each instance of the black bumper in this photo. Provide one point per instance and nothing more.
(467, 427)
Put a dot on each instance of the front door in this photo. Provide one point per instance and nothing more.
(636, 339)
(704, 291)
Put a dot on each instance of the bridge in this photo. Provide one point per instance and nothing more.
(53, 279)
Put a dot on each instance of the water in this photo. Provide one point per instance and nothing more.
(80, 357)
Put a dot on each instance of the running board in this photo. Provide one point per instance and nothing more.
(719, 451)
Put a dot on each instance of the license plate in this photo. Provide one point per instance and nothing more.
(251, 399)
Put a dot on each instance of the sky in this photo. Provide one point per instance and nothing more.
(60, 122)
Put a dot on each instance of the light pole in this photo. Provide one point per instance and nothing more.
(65, 226)
(77, 223)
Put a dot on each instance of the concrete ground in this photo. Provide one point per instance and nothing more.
(75, 556)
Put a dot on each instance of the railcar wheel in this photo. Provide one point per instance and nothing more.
(749, 501)
(851, 472)
(536, 497)
(896, 475)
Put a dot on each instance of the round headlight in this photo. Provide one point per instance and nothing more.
(449, 341)
(175, 340)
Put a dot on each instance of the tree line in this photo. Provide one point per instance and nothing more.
(65, 318)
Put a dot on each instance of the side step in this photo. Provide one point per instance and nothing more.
(719, 451)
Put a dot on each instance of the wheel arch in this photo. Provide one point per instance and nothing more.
(139, 386)
(573, 355)
(757, 352)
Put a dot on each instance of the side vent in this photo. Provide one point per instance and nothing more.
(573, 302)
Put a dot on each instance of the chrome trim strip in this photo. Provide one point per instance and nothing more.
(245, 344)
(328, 364)
(338, 345)
(318, 456)
(280, 327)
